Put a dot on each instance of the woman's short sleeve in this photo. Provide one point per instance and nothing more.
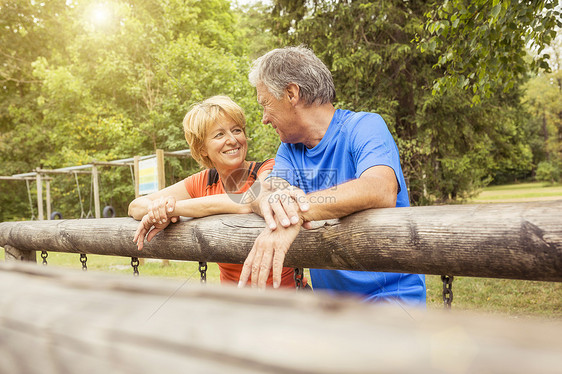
(195, 184)
(267, 165)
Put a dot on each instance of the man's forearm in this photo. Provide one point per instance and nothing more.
(376, 188)
(350, 197)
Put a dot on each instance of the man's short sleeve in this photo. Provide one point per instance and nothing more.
(373, 144)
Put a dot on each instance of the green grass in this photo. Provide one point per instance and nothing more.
(122, 265)
(519, 192)
(514, 298)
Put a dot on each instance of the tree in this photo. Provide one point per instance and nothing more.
(482, 44)
(542, 101)
(110, 80)
(29, 30)
(449, 147)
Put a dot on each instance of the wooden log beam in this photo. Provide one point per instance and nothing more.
(515, 241)
(55, 171)
(60, 321)
(3, 178)
(186, 153)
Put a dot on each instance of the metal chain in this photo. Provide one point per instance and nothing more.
(44, 256)
(84, 260)
(203, 271)
(447, 290)
(135, 265)
(298, 277)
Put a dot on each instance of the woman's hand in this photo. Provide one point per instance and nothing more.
(157, 219)
(160, 210)
(144, 229)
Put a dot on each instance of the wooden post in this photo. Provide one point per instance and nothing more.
(48, 190)
(136, 170)
(14, 254)
(39, 197)
(96, 191)
(160, 166)
(136, 160)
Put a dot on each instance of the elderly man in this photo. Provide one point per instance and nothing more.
(331, 163)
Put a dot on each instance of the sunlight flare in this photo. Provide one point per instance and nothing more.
(100, 15)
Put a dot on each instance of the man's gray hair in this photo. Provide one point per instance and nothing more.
(299, 65)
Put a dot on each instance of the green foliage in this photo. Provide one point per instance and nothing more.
(257, 31)
(78, 88)
(542, 101)
(548, 172)
(449, 146)
(75, 88)
(482, 44)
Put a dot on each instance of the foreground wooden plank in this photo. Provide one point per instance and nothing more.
(60, 321)
(516, 241)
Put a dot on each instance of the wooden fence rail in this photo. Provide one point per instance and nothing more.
(516, 241)
(61, 321)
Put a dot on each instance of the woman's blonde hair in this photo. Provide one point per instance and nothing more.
(202, 115)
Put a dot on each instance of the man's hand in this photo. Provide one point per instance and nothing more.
(268, 252)
(283, 206)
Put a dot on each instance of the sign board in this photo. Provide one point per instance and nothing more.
(148, 176)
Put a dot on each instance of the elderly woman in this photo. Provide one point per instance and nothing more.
(215, 131)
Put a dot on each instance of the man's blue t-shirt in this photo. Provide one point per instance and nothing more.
(353, 143)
